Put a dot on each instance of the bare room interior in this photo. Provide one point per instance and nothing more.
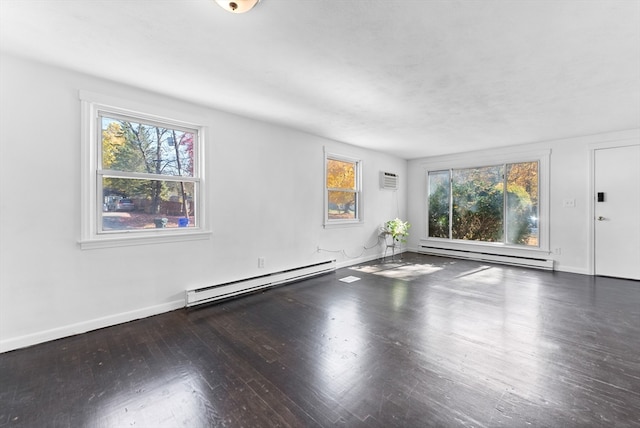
(313, 213)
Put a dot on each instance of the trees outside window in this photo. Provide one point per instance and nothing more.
(342, 190)
(471, 204)
(151, 165)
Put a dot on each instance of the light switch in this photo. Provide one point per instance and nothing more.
(569, 203)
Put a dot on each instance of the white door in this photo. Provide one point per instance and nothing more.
(617, 212)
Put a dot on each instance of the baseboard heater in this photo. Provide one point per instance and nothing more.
(532, 262)
(212, 293)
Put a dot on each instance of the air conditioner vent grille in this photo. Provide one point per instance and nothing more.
(388, 180)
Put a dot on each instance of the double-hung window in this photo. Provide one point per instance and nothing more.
(142, 176)
(343, 190)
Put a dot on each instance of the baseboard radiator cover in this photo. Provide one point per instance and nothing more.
(208, 294)
(532, 262)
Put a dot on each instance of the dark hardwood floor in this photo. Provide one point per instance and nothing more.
(425, 341)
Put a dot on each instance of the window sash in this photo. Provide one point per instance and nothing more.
(142, 118)
(185, 204)
(144, 176)
(149, 122)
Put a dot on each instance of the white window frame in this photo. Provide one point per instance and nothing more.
(92, 107)
(476, 160)
(358, 192)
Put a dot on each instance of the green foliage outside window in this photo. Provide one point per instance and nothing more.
(150, 165)
(439, 204)
(475, 201)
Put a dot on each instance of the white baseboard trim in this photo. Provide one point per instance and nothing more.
(557, 267)
(537, 261)
(85, 326)
(572, 269)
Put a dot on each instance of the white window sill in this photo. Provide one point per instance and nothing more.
(343, 224)
(129, 239)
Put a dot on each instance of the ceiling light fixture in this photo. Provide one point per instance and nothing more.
(237, 6)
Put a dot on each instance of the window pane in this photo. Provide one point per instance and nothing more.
(143, 204)
(342, 205)
(439, 204)
(341, 174)
(522, 203)
(137, 147)
(478, 204)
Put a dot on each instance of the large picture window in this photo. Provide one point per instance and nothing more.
(498, 203)
(342, 192)
(142, 175)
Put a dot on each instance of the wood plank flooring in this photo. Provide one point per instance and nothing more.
(418, 342)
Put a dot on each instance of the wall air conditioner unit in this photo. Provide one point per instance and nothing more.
(388, 180)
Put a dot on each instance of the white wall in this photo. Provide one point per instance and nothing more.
(570, 178)
(50, 288)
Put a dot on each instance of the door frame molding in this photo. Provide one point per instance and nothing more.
(591, 238)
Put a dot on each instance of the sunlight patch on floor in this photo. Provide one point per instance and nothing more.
(401, 271)
(473, 271)
(483, 275)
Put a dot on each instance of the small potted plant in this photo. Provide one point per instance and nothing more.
(398, 229)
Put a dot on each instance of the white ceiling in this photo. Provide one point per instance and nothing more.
(410, 77)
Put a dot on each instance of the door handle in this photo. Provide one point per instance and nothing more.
(600, 218)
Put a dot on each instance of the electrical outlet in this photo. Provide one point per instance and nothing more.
(557, 251)
(569, 203)
(261, 262)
